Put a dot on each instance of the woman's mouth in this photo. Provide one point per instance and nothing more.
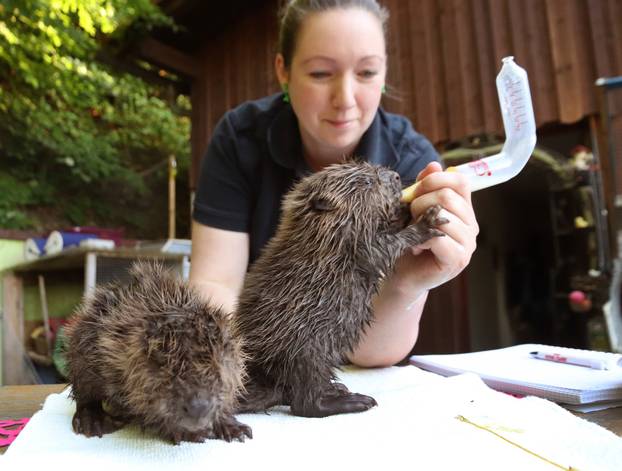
(340, 124)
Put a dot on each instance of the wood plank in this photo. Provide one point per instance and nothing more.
(518, 33)
(599, 31)
(404, 53)
(501, 39)
(471, 83)
(452, 71)
(23, 401)
(500, 28)
(393, 100)
(424, 119)
(168, 57)
(14, 367)
(198, 129)
(614, 43)
(229, 67)
(584, 51)
(201, 112)
(270, 36)
(251, 74)
(239, 54)
(561, 39)
(540, 63)
(218, 76)
(431, 101)
(487, 64)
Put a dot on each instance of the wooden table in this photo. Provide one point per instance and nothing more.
(17, 402)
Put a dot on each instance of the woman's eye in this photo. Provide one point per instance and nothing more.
(368, 73)
(319, 74)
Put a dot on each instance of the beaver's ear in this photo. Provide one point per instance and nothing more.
(319, 203)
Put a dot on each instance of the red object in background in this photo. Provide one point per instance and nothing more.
(576, 296)
(9, 430)
(579, 301)
(55, 324)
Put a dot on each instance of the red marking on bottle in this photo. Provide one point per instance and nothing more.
(480, 168)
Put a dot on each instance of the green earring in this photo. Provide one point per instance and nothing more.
(384, 89)
(285, 88)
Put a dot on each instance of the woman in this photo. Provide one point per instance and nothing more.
(332, 66)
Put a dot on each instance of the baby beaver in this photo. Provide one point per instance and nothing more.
(153, 353)
(307, 300)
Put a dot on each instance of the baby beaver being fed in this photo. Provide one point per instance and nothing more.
(154, 354)
(307, 300)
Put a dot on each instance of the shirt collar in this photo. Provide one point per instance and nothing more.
(285, 145)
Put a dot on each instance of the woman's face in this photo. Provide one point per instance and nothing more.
(335, 80)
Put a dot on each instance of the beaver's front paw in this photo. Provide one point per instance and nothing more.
(431, 217)
(91, 420)
(333, 401)
(228, 428)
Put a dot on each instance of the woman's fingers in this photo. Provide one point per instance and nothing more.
(431, 179)
(432, 167)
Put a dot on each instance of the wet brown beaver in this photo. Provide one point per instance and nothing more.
(153, 353)
(307, 300)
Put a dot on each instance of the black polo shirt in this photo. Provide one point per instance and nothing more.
(255, 155)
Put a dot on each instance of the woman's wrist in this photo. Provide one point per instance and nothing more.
(405, 283)
(390, 337)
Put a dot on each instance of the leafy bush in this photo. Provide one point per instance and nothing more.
(77, 138)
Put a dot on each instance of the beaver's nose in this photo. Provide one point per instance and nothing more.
(196, 407)
(390, 178)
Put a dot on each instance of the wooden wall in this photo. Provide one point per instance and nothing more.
(443, 59)
(444, 56)
(233, 67)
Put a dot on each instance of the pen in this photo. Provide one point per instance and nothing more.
(571, 360)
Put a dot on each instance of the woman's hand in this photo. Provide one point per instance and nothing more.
(441, 258)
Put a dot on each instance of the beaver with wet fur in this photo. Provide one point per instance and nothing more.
(153, 353)
(307, 300)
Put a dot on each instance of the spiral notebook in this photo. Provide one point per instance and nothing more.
(515, 371)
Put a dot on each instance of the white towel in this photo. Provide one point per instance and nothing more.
(413, 427)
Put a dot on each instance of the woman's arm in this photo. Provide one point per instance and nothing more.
(397, 312)
(218, 264)
(399, 304)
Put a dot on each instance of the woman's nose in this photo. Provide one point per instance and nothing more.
(343, 93)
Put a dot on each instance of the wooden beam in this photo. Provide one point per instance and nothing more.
(127, 64)
(14, 368)
(168, 57)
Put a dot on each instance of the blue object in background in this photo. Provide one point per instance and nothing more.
(34, 247)
(58, 241)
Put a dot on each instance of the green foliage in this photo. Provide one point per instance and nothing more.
(76, 137)
(14, 195)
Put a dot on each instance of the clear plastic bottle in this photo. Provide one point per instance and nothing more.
(520, 134)
(520, 131)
